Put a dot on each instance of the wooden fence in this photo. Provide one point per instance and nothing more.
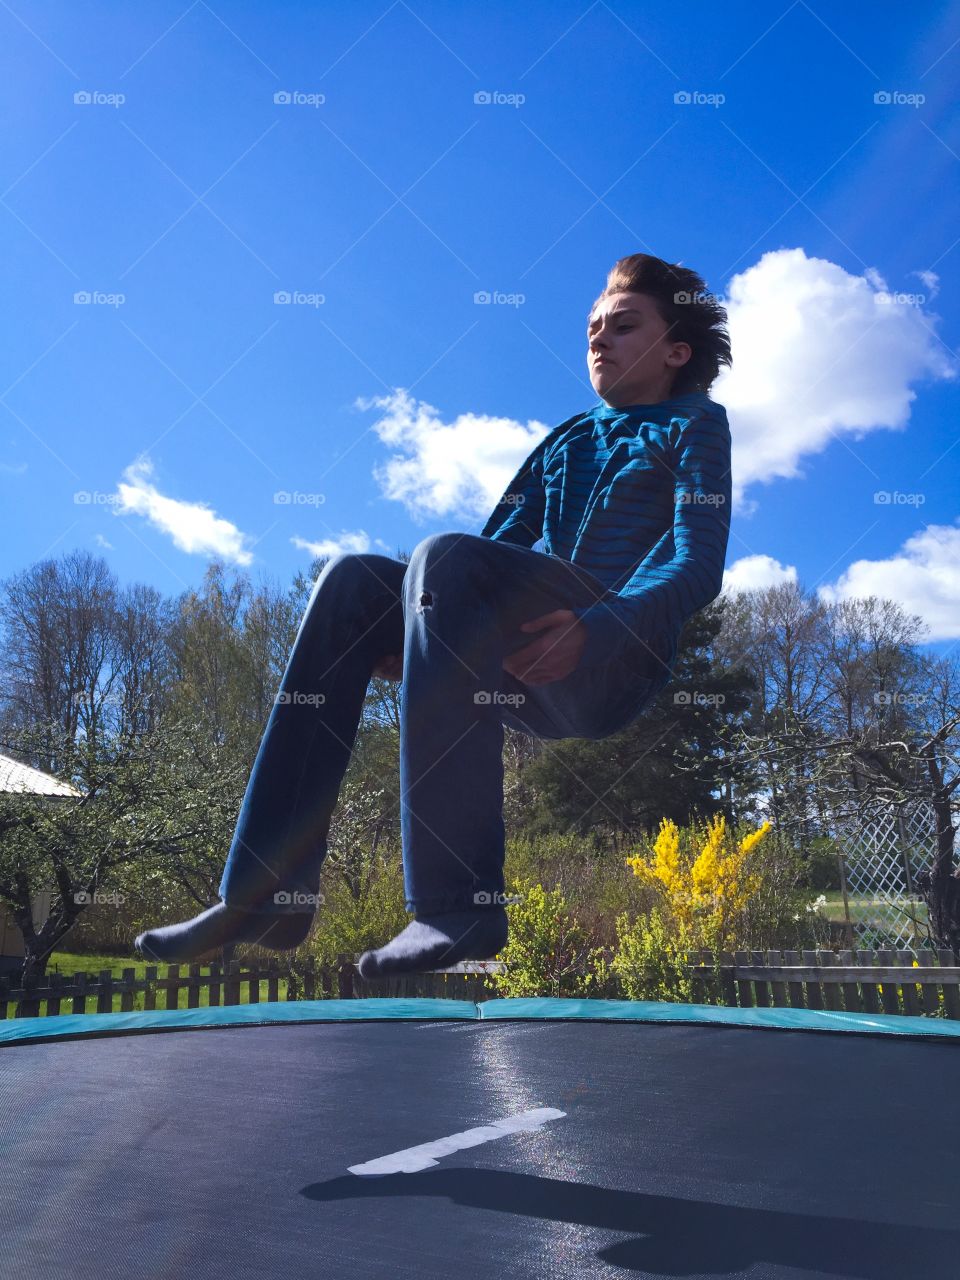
(855, 982)
(231, 983)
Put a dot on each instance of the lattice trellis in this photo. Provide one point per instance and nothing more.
(884, 848)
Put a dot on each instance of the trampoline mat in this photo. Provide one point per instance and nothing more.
(694, 1151)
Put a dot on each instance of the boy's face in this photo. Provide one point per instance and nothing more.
(639, 362)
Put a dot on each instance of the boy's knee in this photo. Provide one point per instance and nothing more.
(447, 550)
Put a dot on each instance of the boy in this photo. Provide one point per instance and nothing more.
(632, 503)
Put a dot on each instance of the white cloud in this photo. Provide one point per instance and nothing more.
(923, 578)
(193, 527)
(931, 282)
(357, 543)
(755, 573)
(443, 468)
(101, 541)
(818, 354)
(13, 468)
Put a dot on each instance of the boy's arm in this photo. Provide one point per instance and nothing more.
(518, 516)
(660, 597)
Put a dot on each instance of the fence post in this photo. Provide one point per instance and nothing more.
(126, 995)
(951, 993)
(79, 1002)
(53, 999)
(231, 983)
(778, 987)
(727, 983)
(173, 988)
(345, 976)
(105, 992)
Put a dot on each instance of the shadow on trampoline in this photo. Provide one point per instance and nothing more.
(675, 1237)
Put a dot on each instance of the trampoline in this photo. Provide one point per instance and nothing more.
(518, 1138)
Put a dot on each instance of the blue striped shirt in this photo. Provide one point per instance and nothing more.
(640, 497)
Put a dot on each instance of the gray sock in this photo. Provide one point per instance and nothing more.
(220, 926)
(436, 942)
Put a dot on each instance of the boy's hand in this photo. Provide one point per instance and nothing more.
(390, 667)
(555, 652)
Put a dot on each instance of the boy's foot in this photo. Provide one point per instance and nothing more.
(220, 926)
(436, 942)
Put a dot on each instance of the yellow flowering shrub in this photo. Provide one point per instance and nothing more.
(706, 881)
(706, 884)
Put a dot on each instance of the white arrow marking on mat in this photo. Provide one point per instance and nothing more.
(413, 1159)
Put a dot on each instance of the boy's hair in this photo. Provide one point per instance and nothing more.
(691, 314)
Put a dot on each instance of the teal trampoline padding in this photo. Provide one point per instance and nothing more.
(266, 1013)
(722, 1015)
(274, 1013)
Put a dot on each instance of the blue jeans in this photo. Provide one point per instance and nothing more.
(454, 612)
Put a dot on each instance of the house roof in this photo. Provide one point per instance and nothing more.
(15, 776)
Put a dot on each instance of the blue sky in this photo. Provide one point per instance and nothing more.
(148, 168)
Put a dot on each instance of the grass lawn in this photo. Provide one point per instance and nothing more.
(867, 909)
